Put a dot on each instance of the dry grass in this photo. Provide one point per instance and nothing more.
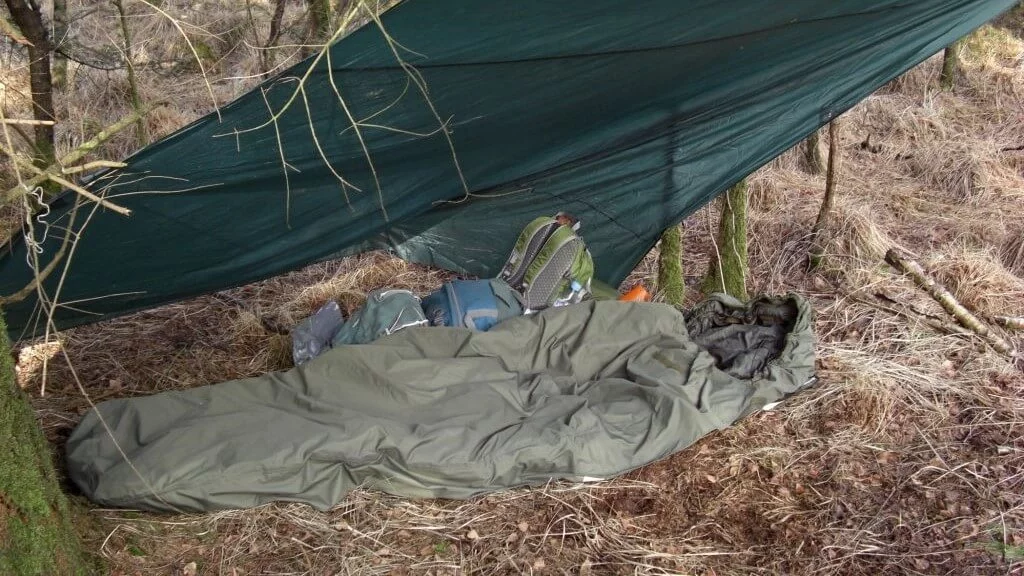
(906, 458)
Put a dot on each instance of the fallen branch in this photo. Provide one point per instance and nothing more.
(964, 316)
(1010, 322)
(909, 311)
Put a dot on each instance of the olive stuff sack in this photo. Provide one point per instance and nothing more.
(473, 304)
(386, 311)
(550, 265)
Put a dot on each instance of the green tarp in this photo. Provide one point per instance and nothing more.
(631, 115)
(593, 389)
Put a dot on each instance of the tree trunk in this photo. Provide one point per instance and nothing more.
(29, 20)
(133, 86)
(60, 33)
(275, 33)
(670, 266)
(817, 249)
(812, 153)
(950, 65)
(728, 269)
(37, 534)
(319, 24)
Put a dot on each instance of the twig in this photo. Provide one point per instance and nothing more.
(77, 154)
(909, 311)
(45, 272)
(45, 175)
(92, 166)
(85, 193)
(964, 316)
(28, 122)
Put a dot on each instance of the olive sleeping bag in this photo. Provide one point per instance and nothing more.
(590, 390)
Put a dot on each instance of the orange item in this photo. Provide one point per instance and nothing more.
(636, 294)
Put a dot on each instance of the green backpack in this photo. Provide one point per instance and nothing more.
(550, 264)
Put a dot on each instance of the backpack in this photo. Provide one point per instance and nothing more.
(474, 304)
(550, 264)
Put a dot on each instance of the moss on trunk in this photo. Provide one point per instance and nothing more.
(728, 269)
(37, 535)
(950, 65)
(670, 266)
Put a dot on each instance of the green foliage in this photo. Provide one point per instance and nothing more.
(670, 266)
(728, 269)
(36, 532)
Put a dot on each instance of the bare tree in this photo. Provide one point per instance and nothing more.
(133, 85)
(817, 250)
(28, 17)
(60, 33)
(275, 33)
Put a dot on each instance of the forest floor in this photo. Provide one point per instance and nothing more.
(907, 456)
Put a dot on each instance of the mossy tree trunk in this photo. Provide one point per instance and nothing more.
(670, 266)
(950, 65)
(728, 269)
(812, 153)
(37, 535)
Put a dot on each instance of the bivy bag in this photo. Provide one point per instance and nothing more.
(595, 390)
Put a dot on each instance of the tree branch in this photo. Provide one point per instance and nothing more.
(77, 154)
(964, 316)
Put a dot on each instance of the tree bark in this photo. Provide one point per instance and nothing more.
(949, 303)
(817, 249)
(29, 20)
(728, 269)
(670, 266)
(950, 65)
(1010, 322)
(37, 534)
(812, 153)
(319, 24)
(133, 86)
(60, 33)
(275, 33)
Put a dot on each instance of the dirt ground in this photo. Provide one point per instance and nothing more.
(906, 458)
